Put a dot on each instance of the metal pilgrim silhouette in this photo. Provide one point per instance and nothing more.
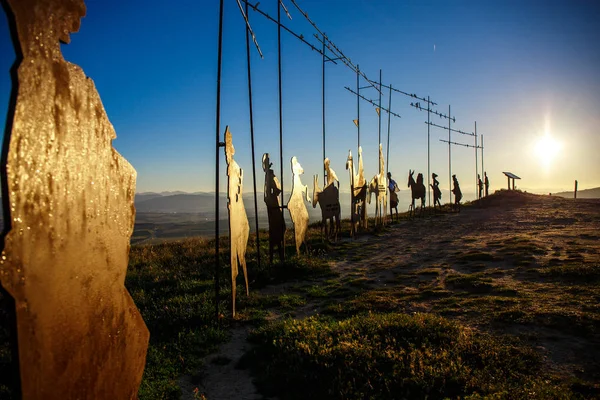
(358, 193)
(272, 189)
(457, 192)
(437, 193)
(417, 191)
(296, 205)
(239, 229)
(72, 214)
(329, 201)
(378, 186)
(394, 189)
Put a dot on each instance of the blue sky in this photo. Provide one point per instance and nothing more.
(521, 69)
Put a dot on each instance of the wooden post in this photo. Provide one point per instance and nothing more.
(575, 193)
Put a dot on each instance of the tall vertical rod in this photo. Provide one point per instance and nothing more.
(217, 154)
(379, 113)
(323, 98)
(450, 152)
(482, 170)
(280, 118)
(428, 150)
(252, 136)
(387, 157)
(358, 103)
(476, 166)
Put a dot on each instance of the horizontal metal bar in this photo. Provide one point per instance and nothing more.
(300, 37)
(373, 103)
(461, 144)
(411, 95)
(453, 130)
(418, 106)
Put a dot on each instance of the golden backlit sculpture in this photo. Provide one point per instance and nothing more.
(239, 228)
(272, 189)
(329, 201)
(296, 205)
(358, 192)
(378, 186)
(72, 214)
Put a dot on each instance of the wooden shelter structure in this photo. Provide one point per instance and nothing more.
(510, 176)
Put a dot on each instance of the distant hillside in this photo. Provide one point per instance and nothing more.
(176, 203)
(581, 194)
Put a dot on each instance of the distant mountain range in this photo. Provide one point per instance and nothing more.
(581, 194)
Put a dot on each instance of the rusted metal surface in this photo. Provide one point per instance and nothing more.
(239, 229)
(71, 205)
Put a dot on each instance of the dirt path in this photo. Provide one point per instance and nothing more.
(220, 378)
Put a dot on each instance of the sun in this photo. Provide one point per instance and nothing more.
(546, 149)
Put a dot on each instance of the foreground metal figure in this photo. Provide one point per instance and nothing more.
(72, 214)
(296, 205)
(239, 229)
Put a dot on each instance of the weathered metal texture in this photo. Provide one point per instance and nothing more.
(296, 205)
(71, 194)
(329, 201)
(378, 186)
(272, 190)
(239, 228)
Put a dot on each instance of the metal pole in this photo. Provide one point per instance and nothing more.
(379, 113)
(323, 98)
(280, 118)
(252, 137)
(482, 170)
(476, 166)
(217, 154)
(428, 149)
(387, 161)
(450, 152)
(358, 102)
